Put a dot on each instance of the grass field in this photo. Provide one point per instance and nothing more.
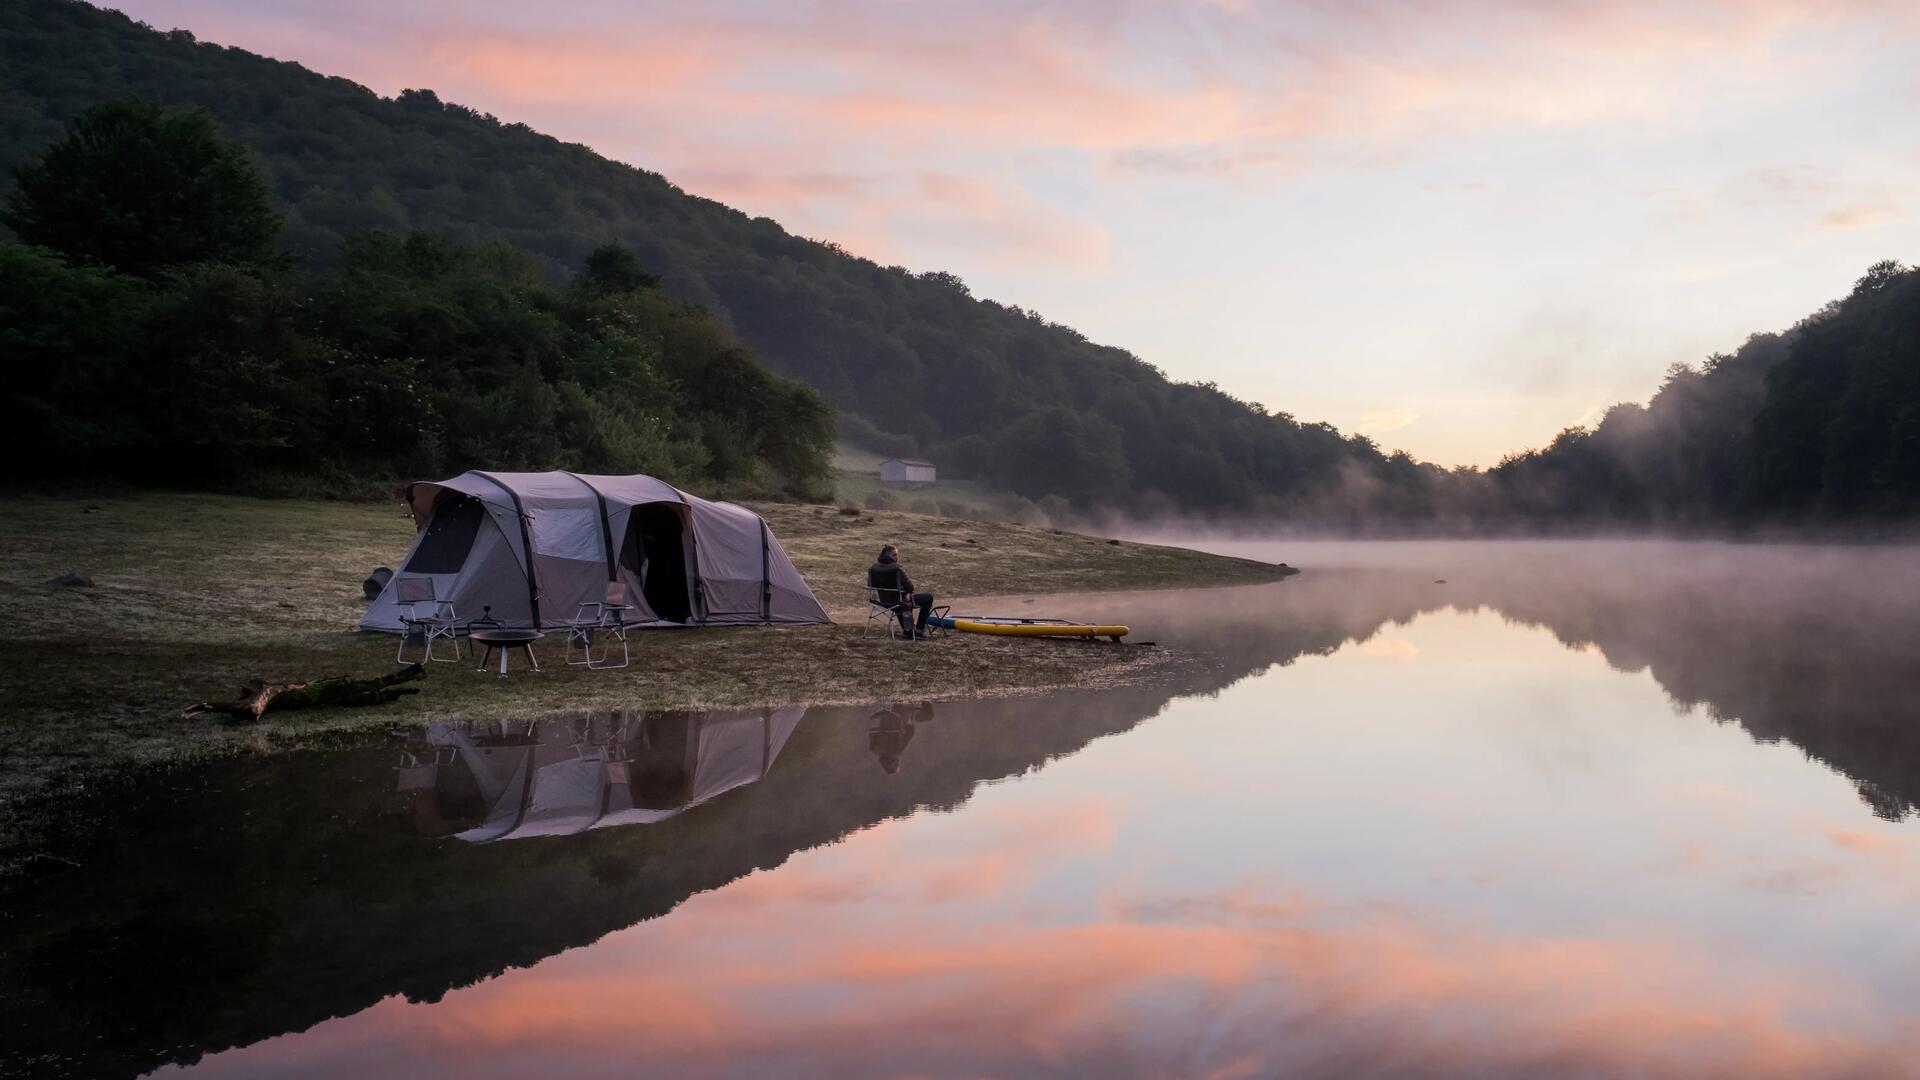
(971, 497)
(856, 479)
(192, 594)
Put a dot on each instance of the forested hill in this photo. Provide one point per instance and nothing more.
(914, 363)
(1817, 427)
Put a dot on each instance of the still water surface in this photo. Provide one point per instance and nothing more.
(1578, 810)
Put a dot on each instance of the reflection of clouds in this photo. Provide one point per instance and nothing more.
(1001, 847)
(1869, 843)
(1258, 902)
(1664, 934)
(777, 974)
(1840, 860)
(1387, 647)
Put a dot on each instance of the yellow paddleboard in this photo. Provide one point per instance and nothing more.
(1036, 628)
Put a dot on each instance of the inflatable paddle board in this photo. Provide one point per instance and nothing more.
(1009, 626)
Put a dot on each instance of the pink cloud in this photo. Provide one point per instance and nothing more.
(829, 119)
(836, 963)
(1862, 216)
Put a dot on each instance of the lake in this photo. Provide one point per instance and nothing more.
(1516, 810)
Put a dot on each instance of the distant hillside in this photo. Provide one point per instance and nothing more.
(1813, 427)
(915, 363)
(1817, 426)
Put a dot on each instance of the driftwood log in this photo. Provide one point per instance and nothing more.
(258, 695)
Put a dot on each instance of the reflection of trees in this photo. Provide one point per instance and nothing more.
(1827, 659)
(1817, 647)
(248, 898)
(263, 895)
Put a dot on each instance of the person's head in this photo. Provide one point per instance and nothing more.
(889, 554)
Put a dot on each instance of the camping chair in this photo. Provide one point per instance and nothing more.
(889, 613)
(415, 773)
(413, 594)
(606, 617)
(881, 609)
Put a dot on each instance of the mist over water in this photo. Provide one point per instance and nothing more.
(1522, 809)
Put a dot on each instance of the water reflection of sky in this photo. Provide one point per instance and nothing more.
(1456, 846)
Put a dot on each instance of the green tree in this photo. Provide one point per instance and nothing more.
(612, 268)
(66, 338)
(136, 189)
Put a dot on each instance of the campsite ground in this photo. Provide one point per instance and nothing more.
(192, 594)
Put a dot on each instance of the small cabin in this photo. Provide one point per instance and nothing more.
(906, 473)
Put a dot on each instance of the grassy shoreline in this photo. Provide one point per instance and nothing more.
(194, 593)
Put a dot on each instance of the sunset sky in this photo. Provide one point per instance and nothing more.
(1457, 227)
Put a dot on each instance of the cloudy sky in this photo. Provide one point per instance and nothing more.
(1458, 227)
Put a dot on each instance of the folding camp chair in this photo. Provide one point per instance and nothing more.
(888, 613)
(417, 773)
(878, 608)
(415, 594)
(608, 618)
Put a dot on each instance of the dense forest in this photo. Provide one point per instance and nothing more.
(151, 330)
(1820, 423)
(914, 363)
(1817, 424)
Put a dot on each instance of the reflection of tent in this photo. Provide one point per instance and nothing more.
(575, 775)
(535, 546)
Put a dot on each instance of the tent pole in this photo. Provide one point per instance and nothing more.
(526, 541)
(692, 556)
(766, 575)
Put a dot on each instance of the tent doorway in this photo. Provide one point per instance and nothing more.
(449, 535)
(655, 552)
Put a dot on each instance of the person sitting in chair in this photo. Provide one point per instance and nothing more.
(896, 591)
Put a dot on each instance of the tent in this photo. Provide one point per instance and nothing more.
(558, 777)
(533, 547)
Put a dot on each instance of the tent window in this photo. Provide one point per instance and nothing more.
(655, 551)
(450, 532)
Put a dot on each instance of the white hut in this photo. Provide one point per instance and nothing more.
(906, 472)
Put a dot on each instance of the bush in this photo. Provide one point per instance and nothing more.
(1056, 510)
(859, 431)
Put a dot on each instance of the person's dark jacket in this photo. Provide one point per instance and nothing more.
(892, 581)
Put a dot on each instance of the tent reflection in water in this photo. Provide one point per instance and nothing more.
(533, 547)
(510, 780)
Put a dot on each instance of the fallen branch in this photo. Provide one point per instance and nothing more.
(258, 695)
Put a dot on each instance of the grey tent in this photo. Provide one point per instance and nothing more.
(533, 547)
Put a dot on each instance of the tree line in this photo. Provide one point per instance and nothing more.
(912, 361)
(1819, 424)
(1815, 424)
(152, 330)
